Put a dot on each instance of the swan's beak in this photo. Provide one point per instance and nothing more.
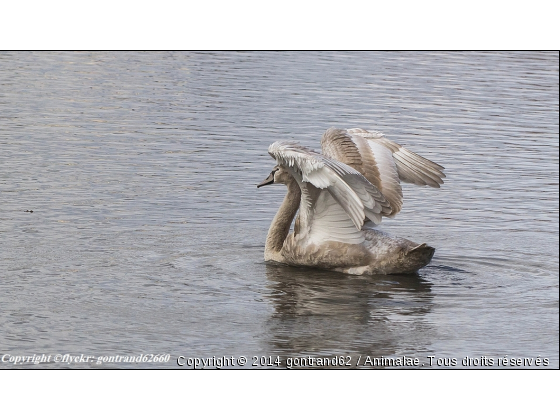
(269, 180)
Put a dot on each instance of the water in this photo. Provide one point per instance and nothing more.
(147, 231)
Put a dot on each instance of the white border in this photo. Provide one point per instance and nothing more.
(353, 24)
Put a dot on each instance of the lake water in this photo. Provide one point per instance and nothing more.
(147, 231)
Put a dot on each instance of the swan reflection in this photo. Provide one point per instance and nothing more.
(324, 313)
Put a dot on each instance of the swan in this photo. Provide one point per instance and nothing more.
(339, 195)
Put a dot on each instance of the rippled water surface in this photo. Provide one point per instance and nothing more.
(147, 232)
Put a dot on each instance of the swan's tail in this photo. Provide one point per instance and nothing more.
(418, 257)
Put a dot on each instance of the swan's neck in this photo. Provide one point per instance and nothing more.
(280, 226)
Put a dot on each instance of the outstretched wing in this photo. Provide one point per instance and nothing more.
(383, 162)
(411, 167)
(328, 186)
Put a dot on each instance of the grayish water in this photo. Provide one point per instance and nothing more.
(147, 231)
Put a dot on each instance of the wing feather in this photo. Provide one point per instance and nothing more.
(391, 186)
(354, 193)
(375, 162)
(411, 167)
(382, 162)
(330, 222)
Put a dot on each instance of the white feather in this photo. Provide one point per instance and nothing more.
(347, 186)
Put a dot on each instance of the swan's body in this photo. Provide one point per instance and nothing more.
(340, 194)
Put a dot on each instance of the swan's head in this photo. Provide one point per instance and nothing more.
(278, 176)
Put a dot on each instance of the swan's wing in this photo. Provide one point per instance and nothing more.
(373, 161)
(383, 162)
(411, 167)
(322, 219)
(349, 189)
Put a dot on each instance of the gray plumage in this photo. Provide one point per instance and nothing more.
(354, 181)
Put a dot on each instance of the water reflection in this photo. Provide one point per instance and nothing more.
(323, 313)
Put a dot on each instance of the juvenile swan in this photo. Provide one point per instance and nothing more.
(341, 194)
